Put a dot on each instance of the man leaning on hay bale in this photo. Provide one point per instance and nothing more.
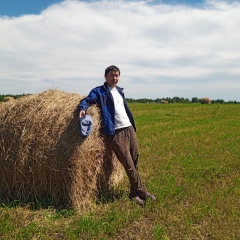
(119, 128)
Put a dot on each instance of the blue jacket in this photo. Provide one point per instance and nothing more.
(103, 98)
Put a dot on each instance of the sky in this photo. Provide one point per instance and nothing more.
(163, 48)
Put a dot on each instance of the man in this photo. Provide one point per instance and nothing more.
(119, 127)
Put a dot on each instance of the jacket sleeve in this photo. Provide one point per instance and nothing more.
(86, 102)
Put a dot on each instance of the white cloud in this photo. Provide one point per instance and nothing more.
(162, 50)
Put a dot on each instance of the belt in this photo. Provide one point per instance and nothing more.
(120, 129)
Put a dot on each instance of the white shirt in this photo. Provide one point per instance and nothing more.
(121, 117)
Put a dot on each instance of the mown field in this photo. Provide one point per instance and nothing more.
(189, 158)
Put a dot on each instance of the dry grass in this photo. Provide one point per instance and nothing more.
(43, 155)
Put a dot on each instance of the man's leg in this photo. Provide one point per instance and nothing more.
(126, 150)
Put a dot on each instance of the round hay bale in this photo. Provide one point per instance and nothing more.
(205, 101)
(42, 154)
(6, 99)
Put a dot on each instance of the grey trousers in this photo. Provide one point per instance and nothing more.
(125, 145)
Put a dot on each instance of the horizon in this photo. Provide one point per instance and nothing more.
(135, 99)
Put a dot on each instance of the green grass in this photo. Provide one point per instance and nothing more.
(189, 158)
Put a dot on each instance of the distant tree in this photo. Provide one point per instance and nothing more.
(130, 100)
(176, 99)
(195, 100)
(220, 101)
(168, 99)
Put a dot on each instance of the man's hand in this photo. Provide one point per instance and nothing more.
(82, 113)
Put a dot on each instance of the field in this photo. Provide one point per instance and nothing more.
(189, 158)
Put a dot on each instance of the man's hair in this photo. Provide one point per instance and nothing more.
(112, 68)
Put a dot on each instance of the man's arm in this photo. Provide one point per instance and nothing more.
(86, 102)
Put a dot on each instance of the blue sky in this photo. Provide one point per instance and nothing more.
(15, 8)
(163, 48)
(20, 7)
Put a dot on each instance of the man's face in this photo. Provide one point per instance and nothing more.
(112, 78)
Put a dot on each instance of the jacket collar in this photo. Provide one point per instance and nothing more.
(118, 88)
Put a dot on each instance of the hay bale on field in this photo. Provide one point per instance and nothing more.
(7, 99)
(205, 101)
(42, 154)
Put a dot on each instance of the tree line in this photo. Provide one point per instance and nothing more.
(174, 100)
(144, 100)
(2, 96)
